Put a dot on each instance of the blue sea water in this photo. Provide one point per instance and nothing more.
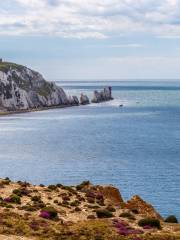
(136, 148)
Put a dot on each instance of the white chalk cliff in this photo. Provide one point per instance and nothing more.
(22, 89)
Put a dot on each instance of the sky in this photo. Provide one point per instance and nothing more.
(93, 39)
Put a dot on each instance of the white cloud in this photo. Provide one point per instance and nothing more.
(90, 18)
(130, 45)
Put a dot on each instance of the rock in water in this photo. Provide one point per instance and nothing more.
(22, 89)
(84, 100)
(102, 96)
(73, 100)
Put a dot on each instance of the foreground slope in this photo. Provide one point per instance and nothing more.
(83, 212)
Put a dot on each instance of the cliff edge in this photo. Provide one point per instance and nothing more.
(23, 89)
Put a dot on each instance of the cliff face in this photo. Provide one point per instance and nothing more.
(22, 88)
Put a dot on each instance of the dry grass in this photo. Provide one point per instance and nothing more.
(22, 221)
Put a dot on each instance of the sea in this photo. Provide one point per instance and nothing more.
(135, 147)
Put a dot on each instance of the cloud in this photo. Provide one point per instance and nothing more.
(90, 18)
(130, 45)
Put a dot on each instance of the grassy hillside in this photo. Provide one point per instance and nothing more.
(81, 212)
(5, 66)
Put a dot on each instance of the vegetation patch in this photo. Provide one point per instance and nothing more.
(154, 223)
(49, 213)
(171, 219)
(127, 215)
(103, 213)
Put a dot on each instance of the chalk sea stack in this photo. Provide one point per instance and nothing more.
(102, 96)
(84, 100)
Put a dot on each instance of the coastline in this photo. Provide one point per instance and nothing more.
(6, 113)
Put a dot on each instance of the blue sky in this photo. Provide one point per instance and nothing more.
(93, 39)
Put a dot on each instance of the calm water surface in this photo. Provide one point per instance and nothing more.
(136, 148)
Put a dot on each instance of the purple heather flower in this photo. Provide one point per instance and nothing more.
(99, 196)
(124, 229)
(34, 226)
(8, 200)
(147, 227)
(45, 214)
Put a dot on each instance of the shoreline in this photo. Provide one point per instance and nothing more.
(6, 113)
(35, 110)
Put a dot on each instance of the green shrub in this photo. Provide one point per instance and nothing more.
(52, 187)
(36, 198)
(65, 203)
(111, 208)
(69, 189)
(135, 211)
(17, 192)
(171, 219)
(77, 209)
(21, 191)
(100, 202)
(6, 182)
(52, 211)
(75, 203)
(103, 213)
(149, 221)
(82, 185)
(90, 200)
(59, 185)
(29, 208)
(127, 215)
(15, 199)
(9, 206)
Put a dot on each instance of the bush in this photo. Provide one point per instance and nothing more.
(49, 211)
(15, 199)
(66, 198)
(127, 215)
(36, 198)
(59, 185)
(17, 192)
(6, 182)
(171, 219)
(100, 202)
(29, 208)
(21, 191)
(75, 203)
(103, 213)
(135, 211)
(90, 200)
(149, 222)
(111, 208)
(77, 209)
(69, 189)
(23, 184)
(82, 185)
(52, 187)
